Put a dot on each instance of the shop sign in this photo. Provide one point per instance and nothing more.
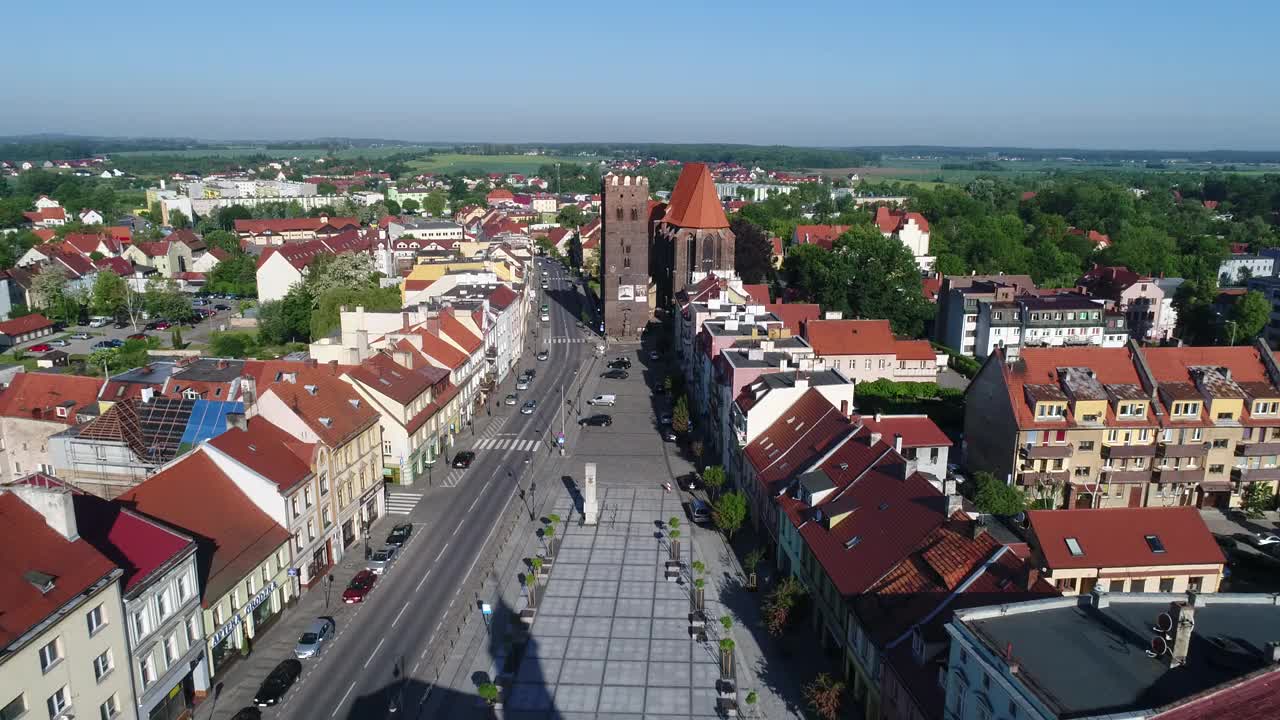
(259, 597)
(227, 628)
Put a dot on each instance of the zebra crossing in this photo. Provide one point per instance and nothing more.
(453, 478)
(501, 443)
(566, 340)
(402, 503)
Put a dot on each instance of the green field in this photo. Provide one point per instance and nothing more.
(929, 172)
(452, 162)
(237, 151)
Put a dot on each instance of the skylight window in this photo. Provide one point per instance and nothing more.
(852, 542)
(1073, 547)
(1155, 543)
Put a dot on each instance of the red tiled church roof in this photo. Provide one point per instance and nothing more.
(694, 203)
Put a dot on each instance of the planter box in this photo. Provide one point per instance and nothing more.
(697, 618)
(527, 615)
(672, 575)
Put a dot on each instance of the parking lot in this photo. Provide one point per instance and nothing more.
(197, 334)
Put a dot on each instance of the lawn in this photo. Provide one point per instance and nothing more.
(452, 162)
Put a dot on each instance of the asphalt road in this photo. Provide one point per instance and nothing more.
(386, 637)
(197, 334)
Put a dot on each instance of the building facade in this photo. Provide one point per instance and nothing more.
(624, 255)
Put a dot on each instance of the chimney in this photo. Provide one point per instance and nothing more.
(237, 421)
(1272, 652)
(897, 443)
(56, 504)
(976, 529)
(875, 438)
(1030, 576)
(249, 396)
(333, 367)
(1099, 598)
(222, 364)
(1184, 622)
(404, 321)
(954, 503)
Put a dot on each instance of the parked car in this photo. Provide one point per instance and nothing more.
(700, 511)
(278, 683)
(381, 559)
(221, 306)
(248, 713)
(542, 355)
(664, 419)
(522, 383)
(669, 435)
(615, 374)
(42, 347)
(163, 325)
(1265, 539)
(530, 373)
(58, 343)
(399, 534)
(115, 342)
(620, 364)
(359, 587)
(138, 336)
(313, 638)
(529, 407)
(102, 345)
(689, 481)
(121, 324)
(653, 355)
(98, 322)
(464, 459)
(510, 399)
(81, 336)
(596, 421)
(607, 400)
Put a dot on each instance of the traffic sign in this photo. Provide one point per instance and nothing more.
(486, 609)
(293, 572)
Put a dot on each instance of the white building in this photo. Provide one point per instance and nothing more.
(1238, 269)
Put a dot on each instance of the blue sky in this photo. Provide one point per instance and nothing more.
(1117, 74)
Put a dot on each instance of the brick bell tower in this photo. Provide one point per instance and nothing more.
(624, 254)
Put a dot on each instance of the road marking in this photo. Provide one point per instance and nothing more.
(406, 607)
(415, 667)
(455, 531)
(424, 579)
(374, 653)
(473, 504)
(344, 698)
(446, 547)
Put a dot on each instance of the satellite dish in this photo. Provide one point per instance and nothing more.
(1159, 646)
(1164, 623)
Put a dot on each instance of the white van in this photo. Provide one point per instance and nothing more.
(608, 400)
(99, 321)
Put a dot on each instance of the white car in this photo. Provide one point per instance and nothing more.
(528, 407)
(522, 384)
(1265, 539)
(381, 559)
(608, 400)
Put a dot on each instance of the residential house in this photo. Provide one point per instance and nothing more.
(1067, 319)
(282, 267)
(1128, 427)
(91, 217)
(912, 229)
(209, 260)
(1171, 656)
(168, 258)
(762, 402)
(46, 217)
(1140, 299)
(1238, 269)
(24, 330)
(34, 407)
(64, 645)
(243, 554)
(916, 438)
(504, 340)
(276, 232)
(866, 350)
(1140, 549)
(499, 196)
(959, 300)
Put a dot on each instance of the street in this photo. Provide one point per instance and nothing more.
(378, 655)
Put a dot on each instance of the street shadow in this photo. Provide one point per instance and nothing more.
(574, 494)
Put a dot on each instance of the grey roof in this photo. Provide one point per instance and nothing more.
(1169, 285)
(788, 379)
(742, 358)
(1083, 660)
(153, 373)
(210, 370)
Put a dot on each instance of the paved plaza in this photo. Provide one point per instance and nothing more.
(611, 638)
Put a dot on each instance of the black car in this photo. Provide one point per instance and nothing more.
(530, 373)
(597, 421)
(221, 306)
(399, 535)
(463, 459)
(614, 374)
(689, 481)
(278, 683)
(620, 364)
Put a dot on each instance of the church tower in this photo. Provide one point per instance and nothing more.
(693, 238)
(624, 254)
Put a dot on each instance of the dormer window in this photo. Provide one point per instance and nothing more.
(1132, 409)
(1266, 407)
(1050, 411)
(917, 645)
(60, 411)
(1186, 409)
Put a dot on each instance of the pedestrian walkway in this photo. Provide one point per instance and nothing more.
(402, 503)
(501, 443)
(567, 340)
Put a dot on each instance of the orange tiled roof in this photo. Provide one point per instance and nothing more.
(694, 203)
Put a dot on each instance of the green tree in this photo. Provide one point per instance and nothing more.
(994, 497)
(410, 205)
(1250, 314)
(348, 270)
(227, 216)
(175, 339)
(326, 188)
(178, 220)
(162, 299)
(570, 216)
(1258, 499)
(108, 295)
(238, 275)
(680, 415)
(435, 203)
(729, 512)
(713, 477)
(393, 207)
(222, 239)
(233, 344)
(752, 251)
(488, 692)
(780, 603)
(54, 295)
(824, 696)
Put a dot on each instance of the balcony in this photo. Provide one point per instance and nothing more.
(1031, 478)
(1255, 474)
(1257, 449)
(1040, 452)
(1128, 451)
(1180, 475)
(1181, 450)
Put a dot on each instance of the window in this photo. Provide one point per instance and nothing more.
(146, 672)
(50, 654)
(1067, 584)
(184, 588)
(14, 709)
(102, 665)
(1154, 542)
(1082, 471)
(171, 650)
(58, 702)
(193, 629)
(1166, 585)
(1112, 435)
(1216, 469)
(306, 496)
(162, 605)
(140, 625)
(1086, 444)
(311, 530)
(1195, 435)
(1220, 443)
(95, 618)
(1073, 546)
(295, 504)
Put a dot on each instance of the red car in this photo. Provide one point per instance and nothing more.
(42, 347)
(138, 336)
(359, 587)
(163, 325)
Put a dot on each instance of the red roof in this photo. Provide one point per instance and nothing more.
(891, 221)
(158, 248)
(37, 396)
(502, 297)
(850, 337)
(459, 333)
(46, 214)
(916, 430)
(269, 451)
(776, 242)
(283, 225)
(822, 235)
(798, 436)
(1116, 537)
(233, 535)
(694, 203)
(45, 234)
(333, 409)
(117, 265)
(1029, 195)
(302, 254)
(84, 243)
(759, 293)
(441, 350)
(499, 195)
(387, 377)
(139, 545)
(795, 316)
(120, 233)
(914, 350)
(1255, 698)
(29, 545)
(24, 324)
(266, 373)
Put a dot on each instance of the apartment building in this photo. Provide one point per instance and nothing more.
(1128, 427)
(960, 297)
(1050, 321)
(866, 350)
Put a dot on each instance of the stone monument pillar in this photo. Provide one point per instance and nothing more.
(590, 507)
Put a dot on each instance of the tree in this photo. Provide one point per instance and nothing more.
(752, 251)
(178, 220)
(232, 344)
(237, 275)
(680, 415)
(1258, 499)
(393, 207)
(824, 696)
(348, 270)
(108, 295)
(228, 216)
(435, 203)
(571, 216)
(409, 205)
(780, 603)
(222, 239)
(162, 299)
(994, 497)
(1250, 315)
(488, 692)
(175, 338)
(326, 188)
(729, 512)
(713, 477)
(54, 295)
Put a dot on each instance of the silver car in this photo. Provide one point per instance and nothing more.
(313, 638)
(380, 559)
(522, 384)
(528, 408)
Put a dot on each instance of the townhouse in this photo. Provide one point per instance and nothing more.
(275, 232)
(911, 229)
(866, 350)
(280, 267)
(169, 258)
(1142, 300)
(1068, 319)
(1128, 427)
(961, 297)
(35, 407)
